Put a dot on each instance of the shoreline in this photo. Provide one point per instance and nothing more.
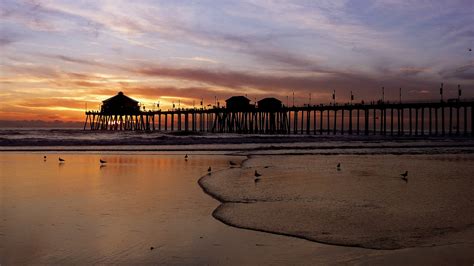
(228, 223)
(316, 148)
(229, 209)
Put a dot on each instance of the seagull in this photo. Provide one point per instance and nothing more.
(404, 176)
(257, 174)
(232, 163)
(102, 161)
(61, 160)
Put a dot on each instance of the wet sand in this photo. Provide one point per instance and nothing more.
(81, 213)
(364, 204)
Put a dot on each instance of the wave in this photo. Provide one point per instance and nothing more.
(68, 139)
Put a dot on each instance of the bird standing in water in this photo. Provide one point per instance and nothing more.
(257, 174)
(102, 161)
(209, 170)
(405, 176)
(231, 163)
(186, 157)
(61, 160)
(338, 167)
(44, 158)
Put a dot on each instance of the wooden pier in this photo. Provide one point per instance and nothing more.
(449, 118)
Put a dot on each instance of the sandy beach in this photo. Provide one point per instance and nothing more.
(79, 212)
(363, 204)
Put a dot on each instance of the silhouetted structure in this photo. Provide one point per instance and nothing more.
(120, 104)
(119, 112)
(238, 103)
(269, 104)
(453, 118)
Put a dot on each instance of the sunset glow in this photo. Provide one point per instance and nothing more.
(60, 57)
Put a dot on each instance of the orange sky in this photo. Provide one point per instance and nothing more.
(57, 57)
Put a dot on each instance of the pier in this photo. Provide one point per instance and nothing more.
(444, 118)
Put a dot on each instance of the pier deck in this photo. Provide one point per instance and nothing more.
(452, 118)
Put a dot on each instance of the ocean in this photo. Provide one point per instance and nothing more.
(81, 140)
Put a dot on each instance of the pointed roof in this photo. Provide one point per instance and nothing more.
(120, 97)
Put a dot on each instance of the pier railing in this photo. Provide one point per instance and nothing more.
(453, 118)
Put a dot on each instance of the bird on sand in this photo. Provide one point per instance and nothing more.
(186, 157)
(209, 170)
(404, 176)
(339, 167)
(257, 177)
(61, 160)
(231, 163)
(102, 161)
(44, 158)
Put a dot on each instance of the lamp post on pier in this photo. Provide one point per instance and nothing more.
(383, 94)
(400, 94)
(441, 92)
(459, 92)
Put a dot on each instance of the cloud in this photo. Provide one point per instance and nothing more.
(71, 59)
(54, 103)
(198, 59)
(31, 13)
(281, 85)
(222, 82)
(413, 71)
(190, 93)
(256, 47)
(8, 37)
(464, 73)
(144, 20)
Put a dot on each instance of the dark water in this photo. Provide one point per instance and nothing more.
(80, 140)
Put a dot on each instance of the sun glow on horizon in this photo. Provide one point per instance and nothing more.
(59, 56)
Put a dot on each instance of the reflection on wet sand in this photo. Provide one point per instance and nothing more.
(367, 203)
(79, 212)
(82, 212)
